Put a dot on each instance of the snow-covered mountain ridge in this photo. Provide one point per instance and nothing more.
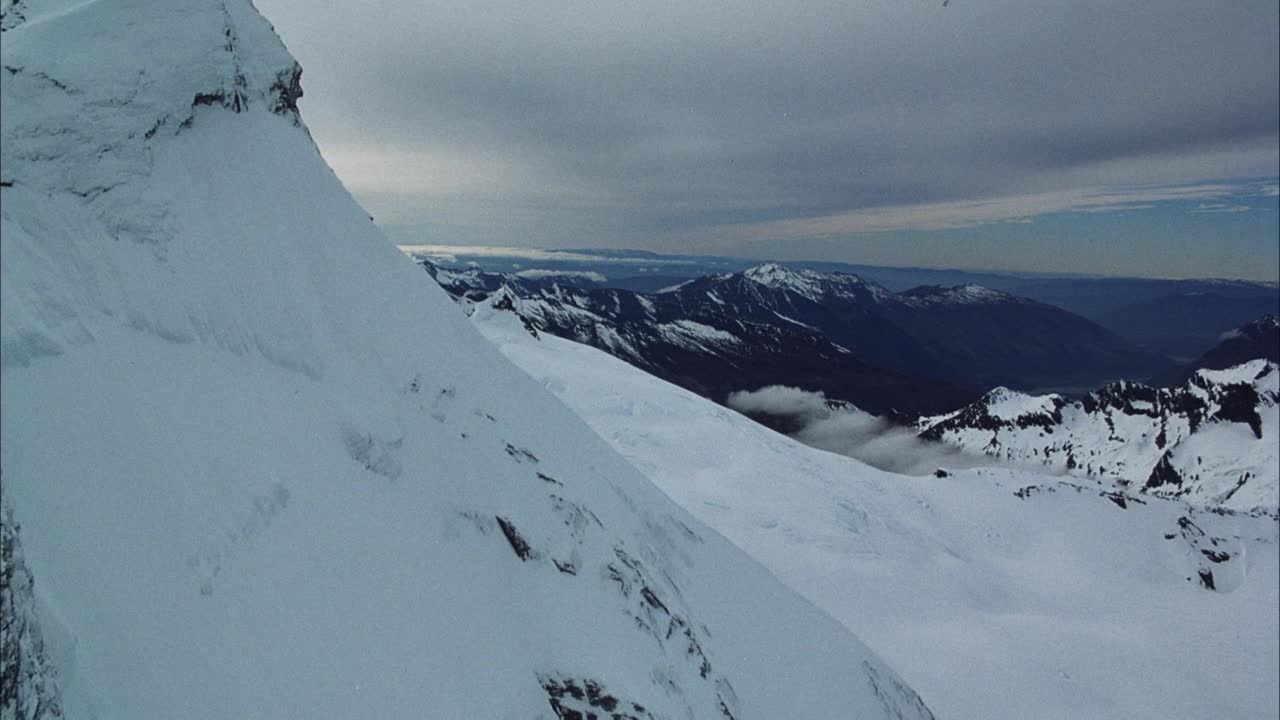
(815, 285)
(239, 480)
(966, 337)
(1212, 441)
(1061, 601)
(707, 346)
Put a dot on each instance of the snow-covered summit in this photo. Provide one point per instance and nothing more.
(774, 275)
(87, 119)
(1259, 373)
(812, 284)
(967, 294)
(248, 483)
(1011, 405)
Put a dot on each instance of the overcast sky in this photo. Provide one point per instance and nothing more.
(1078, 136)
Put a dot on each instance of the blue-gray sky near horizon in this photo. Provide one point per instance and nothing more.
(1097, 136)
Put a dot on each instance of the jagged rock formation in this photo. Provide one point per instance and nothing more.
(28, 680)
(1210, 442)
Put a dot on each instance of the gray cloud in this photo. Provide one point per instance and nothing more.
(661, 123)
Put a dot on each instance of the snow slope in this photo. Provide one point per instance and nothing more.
(1001, 594)
(247, 482)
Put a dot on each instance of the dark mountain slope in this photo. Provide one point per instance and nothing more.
(1259, 339)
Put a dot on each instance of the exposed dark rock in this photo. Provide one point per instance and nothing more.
(585, 699)
(286, 91)
(518, 543)
(1206, 579)
(898, 699)
(1216, 556)
(1163, 475)
(1239, 403)
(28, 682)
(1117, 498)
(521, 454)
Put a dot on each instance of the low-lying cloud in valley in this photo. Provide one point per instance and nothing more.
(809, 417)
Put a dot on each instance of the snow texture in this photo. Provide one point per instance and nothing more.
(999, 594)
(252, 484)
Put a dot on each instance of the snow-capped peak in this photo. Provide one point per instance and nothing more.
(813, 284)
(90, 127)
(773, 275)
(1259, 372)
(966, 294)
(1006, 404)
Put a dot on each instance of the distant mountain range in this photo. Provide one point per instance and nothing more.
(916, 351)
(708, 347)
(1175, 318)
(1211, 441)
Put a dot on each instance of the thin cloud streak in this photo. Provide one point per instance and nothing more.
(954, 215)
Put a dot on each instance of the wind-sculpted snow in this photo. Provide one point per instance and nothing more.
(1211, 442)
(263, 466)
(1000, 593)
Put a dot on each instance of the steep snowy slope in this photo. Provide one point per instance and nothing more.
(1000, 594)
(1212, 442)
(259, 466)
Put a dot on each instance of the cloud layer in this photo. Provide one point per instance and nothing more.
(732, 124)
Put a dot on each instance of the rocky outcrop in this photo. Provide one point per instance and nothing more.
(1211, 441)
(28, 680)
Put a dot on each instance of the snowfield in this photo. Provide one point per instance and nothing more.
(256, 464)
(997, 593)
